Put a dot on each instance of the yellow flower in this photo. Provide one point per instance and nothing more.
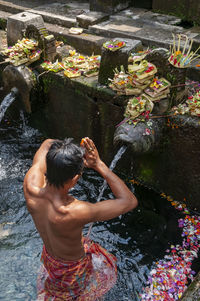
(178, 52)
(72, 52)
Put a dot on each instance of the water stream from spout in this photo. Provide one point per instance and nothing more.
(7, 101)
(116, 158)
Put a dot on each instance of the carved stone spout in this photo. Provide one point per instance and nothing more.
(23, 79)
(143, 137)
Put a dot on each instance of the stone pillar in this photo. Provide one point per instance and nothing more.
(18, 23)
(108, 6)
(111, 60)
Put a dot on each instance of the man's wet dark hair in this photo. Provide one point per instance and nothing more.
(64, 160)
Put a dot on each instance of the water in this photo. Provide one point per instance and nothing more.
(138, 238)
(7, 101)
(118, 156)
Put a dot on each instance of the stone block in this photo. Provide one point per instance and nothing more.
(18, 23)
(94, 17)
(185, 9)
(111, 60)
(108, 6)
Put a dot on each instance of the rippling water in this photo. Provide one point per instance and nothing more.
(138, 239)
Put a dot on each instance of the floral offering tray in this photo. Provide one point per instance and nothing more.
(160, 84)
(158, 89)
(114, 45)
(146, 72)
(192, 106)
(25, 51)
(54, 67)
(72, 72)
(137, 106)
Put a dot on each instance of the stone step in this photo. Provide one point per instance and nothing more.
(84, 43)
(4, 15)
(55, 19)
(149, 35)
(12, 8)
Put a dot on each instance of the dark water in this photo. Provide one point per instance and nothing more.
(138, 239)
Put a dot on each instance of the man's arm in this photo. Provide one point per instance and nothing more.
(34, 178)
(40, 156)
(124, 199)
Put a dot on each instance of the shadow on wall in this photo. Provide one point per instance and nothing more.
(142, 3)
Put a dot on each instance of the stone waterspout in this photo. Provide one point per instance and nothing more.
(143, 137)
(23, 79)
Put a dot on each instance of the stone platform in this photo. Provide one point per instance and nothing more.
(153, 29)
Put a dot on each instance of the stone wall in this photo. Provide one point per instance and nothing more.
(185, 9)
(174, 166)
(77, 108)
(108, 6)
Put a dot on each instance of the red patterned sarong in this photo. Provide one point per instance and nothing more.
(86, 279)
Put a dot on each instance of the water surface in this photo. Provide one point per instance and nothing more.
(138, 238)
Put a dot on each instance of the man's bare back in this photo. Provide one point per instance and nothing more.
(59, 217)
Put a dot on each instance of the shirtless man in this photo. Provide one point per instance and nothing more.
(60, 218)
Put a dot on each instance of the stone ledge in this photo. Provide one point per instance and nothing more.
(12, 8)
(85, 43)
(55, 19)
(85, 20)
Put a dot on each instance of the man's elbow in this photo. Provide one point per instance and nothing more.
(133, 202)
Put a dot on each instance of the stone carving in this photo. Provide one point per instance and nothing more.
(23, 79)
(46, 42)
(143, 137)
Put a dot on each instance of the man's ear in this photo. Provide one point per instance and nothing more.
(75, 179)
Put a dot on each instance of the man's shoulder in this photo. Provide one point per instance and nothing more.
(30, 184)
(82, 211)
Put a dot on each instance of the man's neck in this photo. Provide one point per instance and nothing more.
(58, 193)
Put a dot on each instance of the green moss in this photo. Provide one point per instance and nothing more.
(47, 83)
(63, 39)
(3, 23)
(171, 78)
(146, 174)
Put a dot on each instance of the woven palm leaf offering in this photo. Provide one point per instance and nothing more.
(139, 56)
(191, 106)
(146, 71)
(25, 51)
(93, 65)
(81, 65)
(182, 56)
(114, 45)
(120, 81)
(54, 67)
(72, 72)
(76, 30)
(141, 75)
(138, 109)
(158, 89)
